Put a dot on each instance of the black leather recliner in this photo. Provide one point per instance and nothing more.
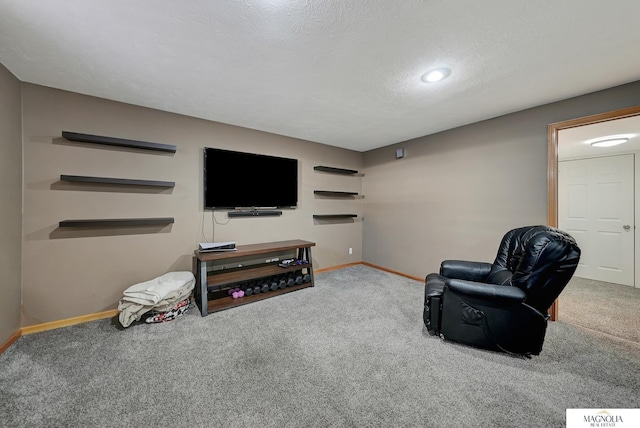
(502, 306)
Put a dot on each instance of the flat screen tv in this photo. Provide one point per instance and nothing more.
(248, 180)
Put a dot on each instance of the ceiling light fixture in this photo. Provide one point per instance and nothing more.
(436, 75)
(609, 142)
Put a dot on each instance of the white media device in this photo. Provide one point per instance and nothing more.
(217, 246)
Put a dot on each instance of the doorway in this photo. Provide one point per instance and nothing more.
(552, 165)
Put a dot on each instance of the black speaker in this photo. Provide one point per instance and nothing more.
(256, 213)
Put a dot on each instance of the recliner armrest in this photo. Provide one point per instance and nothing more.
(499, 293)
(463, 269)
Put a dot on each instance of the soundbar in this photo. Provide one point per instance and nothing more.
(255, 213)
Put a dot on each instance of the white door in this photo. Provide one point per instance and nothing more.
(595, 205)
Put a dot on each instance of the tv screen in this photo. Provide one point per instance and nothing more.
(247, 180)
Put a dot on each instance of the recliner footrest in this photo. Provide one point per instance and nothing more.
(432, 314)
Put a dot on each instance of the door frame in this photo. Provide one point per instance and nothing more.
(552, 163)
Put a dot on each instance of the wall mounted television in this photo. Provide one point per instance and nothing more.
(236, 180)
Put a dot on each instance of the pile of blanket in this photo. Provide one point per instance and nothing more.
(164, 297)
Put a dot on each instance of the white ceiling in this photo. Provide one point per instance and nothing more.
(339, 72)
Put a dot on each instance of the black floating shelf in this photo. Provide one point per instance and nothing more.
(123, 181)
(334, 215)
(335, 170)
(118, 142)
(117, 222)
(334, 193)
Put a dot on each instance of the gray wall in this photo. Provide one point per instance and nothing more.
(76, 272)
(457, 192)
(452, 196)
(10, 203)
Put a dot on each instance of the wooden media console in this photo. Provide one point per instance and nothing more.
(212, 291)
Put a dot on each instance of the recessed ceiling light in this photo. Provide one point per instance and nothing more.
(609, 142)
(436, 75)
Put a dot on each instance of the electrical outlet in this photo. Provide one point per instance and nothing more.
(350, 250)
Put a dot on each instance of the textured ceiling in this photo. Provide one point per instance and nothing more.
(339, 72)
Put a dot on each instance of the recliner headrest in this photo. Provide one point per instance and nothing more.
(542, 260)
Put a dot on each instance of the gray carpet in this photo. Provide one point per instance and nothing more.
(601, 306)
(350, 352)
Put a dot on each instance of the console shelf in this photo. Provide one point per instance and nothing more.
(117, 222)
(119, 181)
(211, 291)
(334, 193)
(118, 142)
(229, 302)
(335, 170)
(216, 280)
